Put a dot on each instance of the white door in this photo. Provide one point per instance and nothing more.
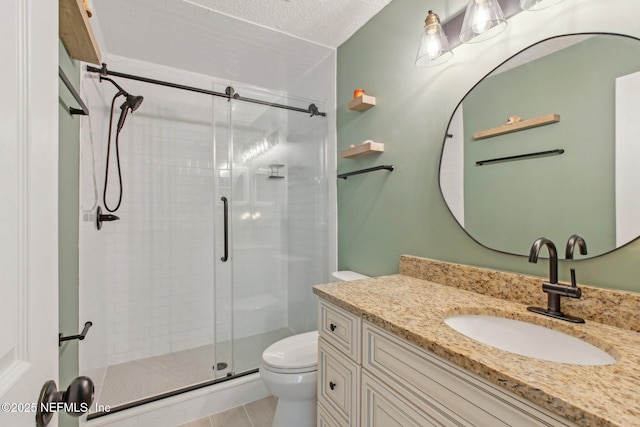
(28, 206)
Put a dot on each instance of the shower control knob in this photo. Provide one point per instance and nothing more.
(332, 327)
(104, 217)
(108, 217)
(75, 400)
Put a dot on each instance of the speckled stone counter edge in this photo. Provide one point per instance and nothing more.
(610, 307)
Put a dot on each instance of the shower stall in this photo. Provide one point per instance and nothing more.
(222, 231)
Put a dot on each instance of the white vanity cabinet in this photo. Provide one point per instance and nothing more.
(386, 381)
(339, 368)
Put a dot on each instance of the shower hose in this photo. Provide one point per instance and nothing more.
(106, 174)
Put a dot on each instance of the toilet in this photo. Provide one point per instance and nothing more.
(290, 372)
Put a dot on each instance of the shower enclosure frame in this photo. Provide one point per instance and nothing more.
(231, 96)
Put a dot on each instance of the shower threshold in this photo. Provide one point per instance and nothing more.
(131, 384)
(113, 410)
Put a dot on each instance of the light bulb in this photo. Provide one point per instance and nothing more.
(434, 46)
(433, 43)
(482, 21)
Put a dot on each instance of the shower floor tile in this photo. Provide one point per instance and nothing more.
(141, 379)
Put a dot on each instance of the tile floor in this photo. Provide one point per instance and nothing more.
(254, 414)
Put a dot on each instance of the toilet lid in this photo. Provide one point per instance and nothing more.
(296, 352)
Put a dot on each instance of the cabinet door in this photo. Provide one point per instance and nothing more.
(382, 408)
(338, 383)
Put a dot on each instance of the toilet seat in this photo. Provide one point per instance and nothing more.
(290, 371)
(293, 355)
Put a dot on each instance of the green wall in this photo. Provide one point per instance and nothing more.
(509, 205)
(68, 152)
(382, 215)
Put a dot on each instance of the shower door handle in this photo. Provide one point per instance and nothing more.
(226, 229)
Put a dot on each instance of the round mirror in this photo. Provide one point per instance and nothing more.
(547, 145)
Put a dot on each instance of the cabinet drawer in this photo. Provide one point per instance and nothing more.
(340, 328)
(383, 408)
(445, 389)
(338, 384)
(326, 420)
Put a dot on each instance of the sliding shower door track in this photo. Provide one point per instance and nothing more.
(172, 393)
(229, 94)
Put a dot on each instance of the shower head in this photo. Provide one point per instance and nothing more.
(131, 103)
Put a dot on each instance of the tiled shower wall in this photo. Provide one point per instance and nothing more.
(155, 288)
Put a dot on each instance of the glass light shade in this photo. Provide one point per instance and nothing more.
(537, 4)
(483, 19)
(434, 45)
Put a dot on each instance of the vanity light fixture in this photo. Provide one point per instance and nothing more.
(483, 20)
(434, 46)
(537, 4)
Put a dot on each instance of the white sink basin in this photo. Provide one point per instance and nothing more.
(527, 339)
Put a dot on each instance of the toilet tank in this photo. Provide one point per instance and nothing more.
(347, 275)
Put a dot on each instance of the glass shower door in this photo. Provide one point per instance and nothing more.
(222, 224)
(259, 218)
(275, 188)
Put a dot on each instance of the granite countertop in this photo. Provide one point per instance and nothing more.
(415, 309)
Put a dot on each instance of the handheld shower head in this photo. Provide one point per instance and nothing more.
(131, 103)
(134, 102)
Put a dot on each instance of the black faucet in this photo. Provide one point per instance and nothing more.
(553, 257)
(552, 288)
(574, 240)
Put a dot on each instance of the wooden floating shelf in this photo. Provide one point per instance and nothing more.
(515, 127)
(76, 33)
(362, 103)
(362, 150)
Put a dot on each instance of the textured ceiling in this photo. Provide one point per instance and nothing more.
(326, 22)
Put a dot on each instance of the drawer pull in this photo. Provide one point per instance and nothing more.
(332, 327)
(332, 385)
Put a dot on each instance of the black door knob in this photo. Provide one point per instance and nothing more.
(75, 400)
